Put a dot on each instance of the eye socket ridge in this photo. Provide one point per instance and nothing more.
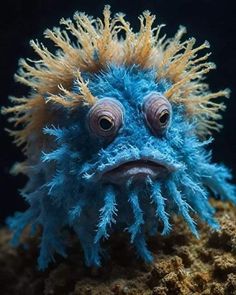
(158, 112)
(105, 117)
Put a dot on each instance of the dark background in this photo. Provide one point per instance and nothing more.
(22, 20)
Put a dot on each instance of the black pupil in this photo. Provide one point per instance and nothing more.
(105, 124)
(164, 118)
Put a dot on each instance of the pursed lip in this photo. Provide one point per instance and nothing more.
(137, 169)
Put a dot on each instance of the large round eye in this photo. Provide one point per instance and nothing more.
(105, 117)
(157, 111)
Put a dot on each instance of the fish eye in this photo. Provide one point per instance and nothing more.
(164, 117)
(106, 123)
(105, 117)
(157, 111)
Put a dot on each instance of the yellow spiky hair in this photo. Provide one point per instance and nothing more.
(98, 42)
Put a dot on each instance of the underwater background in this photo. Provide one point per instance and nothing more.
(205, 20)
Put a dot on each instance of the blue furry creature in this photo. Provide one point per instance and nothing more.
(114, 132)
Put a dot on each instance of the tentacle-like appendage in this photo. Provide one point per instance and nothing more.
(216, 178)
(182, 205)
(135, 228)
(56, 154)
(197, 198)
(52, 240)
(56, 183)
(141, 247)
(85, 229)
(20, 221)
(159, 202)
(75, 212)
(107, 213)
(58, 133)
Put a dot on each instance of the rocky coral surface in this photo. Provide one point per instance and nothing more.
(182, 265)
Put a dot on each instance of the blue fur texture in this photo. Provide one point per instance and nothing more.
(64, 190)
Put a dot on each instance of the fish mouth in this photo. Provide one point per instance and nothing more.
(137, 170)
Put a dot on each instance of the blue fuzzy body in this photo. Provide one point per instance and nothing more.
(65, 188)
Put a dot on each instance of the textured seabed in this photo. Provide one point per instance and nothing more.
(183, 265)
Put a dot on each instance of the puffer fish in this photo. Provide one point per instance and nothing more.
(114, 130)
